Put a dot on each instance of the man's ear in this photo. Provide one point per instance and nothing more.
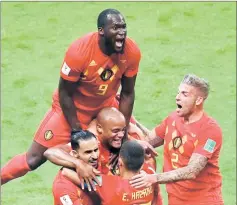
(99, 128)
(199, 100)
(74, 153)
(101, 31)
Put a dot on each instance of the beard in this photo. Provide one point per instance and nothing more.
(110, 46)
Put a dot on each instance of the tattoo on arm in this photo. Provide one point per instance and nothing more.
(195, 166)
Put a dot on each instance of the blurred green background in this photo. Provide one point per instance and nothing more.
(175, 38)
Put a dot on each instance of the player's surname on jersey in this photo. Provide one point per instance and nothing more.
(138, 194)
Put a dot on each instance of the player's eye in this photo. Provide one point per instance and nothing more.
(115, 131)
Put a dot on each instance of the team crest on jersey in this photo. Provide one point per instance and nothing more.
(106, 74)
(48, 135)
(177, 142)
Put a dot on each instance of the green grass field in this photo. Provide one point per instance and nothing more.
(175, 39)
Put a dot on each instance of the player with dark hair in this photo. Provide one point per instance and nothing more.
(84, 147)
(192, 143)
(94, 67)
(116, 189)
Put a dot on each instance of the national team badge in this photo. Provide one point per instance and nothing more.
(177, 142)
(106, 74)
(48, 135)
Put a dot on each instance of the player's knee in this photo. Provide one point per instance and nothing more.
(35, 160)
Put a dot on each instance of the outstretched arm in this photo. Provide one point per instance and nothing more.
(195, 166)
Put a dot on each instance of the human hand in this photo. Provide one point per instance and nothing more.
(150, 151)
(143, 180)
(87, 175)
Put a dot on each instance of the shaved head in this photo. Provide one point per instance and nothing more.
(108, 115)
(111, 125)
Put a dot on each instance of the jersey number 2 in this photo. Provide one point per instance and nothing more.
(174, 159)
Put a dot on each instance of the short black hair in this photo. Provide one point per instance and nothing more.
(103, 17)
(76, 137)
(132, 154)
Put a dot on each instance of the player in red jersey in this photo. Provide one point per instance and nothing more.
(93, 69)
(109, 127)
(116, 189)
(192, 142)
(85, 147)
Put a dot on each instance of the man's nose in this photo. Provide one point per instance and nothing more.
(177, 97)
(95, 155)
(121, 133)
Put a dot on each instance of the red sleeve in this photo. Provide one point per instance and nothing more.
(74, 61)
(209, 141)
(65, 193)
(134, 56)
(161, 129)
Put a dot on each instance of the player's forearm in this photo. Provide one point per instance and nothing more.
(184, 173)
(145, 131)
(60, 157)
(126, 104)
(69, 110)
(156, 142)
(196, 164)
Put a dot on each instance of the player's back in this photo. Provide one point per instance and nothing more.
(116, 190)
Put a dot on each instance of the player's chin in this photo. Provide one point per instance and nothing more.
(116, 144)
(118, 50)
(94, 164)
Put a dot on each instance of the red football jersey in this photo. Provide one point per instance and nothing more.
(98, 75)
(65, 192)
(180, 142)
(118, 191)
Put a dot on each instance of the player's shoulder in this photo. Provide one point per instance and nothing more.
(61, 182)
(131, 48)
(83, 43)
(211, 124)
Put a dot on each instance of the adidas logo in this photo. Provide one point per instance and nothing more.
(92, 63)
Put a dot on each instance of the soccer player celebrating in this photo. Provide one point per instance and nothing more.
(109, 128)
(84, 147)
(192, 141)
(131, 159)
(94, 67)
